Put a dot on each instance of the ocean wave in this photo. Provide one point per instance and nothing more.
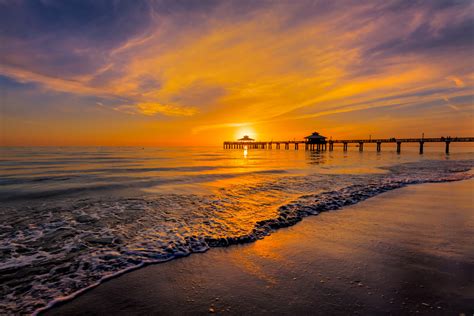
(51, 251)
(91, 183)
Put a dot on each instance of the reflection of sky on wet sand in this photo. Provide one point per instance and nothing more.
(421, 225)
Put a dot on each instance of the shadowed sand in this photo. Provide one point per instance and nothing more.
(405, 251)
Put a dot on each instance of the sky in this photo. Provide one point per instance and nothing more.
(175, 72)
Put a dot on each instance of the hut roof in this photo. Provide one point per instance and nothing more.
(315, 136)
(246, 138)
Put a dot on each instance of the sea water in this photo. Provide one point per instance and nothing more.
(71, 217)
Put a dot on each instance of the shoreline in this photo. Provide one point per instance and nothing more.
(287, 214)
(85, 298)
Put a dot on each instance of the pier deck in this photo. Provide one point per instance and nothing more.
(322, 146)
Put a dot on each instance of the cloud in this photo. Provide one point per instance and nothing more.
(218, 64)
(155, 108)
(457, 81)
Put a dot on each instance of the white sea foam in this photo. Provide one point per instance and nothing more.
(53, 249)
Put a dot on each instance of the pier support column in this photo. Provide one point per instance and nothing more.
(269, 145)
(287, 146)
(399, 147)
(331, 146)
(305, 146)
(421, 147)
(447, 147)
(379, 147)
(344, 147)
(361, 146)
(296, 146)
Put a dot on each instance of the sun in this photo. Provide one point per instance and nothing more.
(245, 130)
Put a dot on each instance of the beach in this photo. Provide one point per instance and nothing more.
(405, 251)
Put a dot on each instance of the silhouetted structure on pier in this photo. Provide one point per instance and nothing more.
(246, 139)
(319, 143)
(315, 142)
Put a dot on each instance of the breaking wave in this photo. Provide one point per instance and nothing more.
(53, 250)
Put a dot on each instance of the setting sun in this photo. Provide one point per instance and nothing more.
(245, 131)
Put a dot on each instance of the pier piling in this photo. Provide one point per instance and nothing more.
(322, 145)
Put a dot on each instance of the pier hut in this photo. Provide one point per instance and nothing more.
(315, 141)
(246, 139)
(244, 142)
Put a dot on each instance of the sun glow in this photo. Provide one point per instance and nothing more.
(245, 131)
(269, 70)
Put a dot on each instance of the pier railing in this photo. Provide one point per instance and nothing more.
(323, 145)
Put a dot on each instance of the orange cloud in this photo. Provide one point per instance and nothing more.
(278, 64)
(154, 108)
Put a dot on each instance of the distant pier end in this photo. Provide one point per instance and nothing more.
(317, 142)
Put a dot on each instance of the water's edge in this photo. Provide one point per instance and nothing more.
(289, 215)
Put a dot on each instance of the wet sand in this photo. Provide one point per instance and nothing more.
(406, 251)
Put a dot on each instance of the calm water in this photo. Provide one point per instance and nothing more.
(71, 217)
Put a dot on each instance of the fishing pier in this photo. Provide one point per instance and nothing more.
(316, 142)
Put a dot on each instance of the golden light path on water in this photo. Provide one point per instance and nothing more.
(106, 209)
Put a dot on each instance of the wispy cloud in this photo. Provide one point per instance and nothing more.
(154, 108)
(226, 64)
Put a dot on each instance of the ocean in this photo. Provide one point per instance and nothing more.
(72, 217)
